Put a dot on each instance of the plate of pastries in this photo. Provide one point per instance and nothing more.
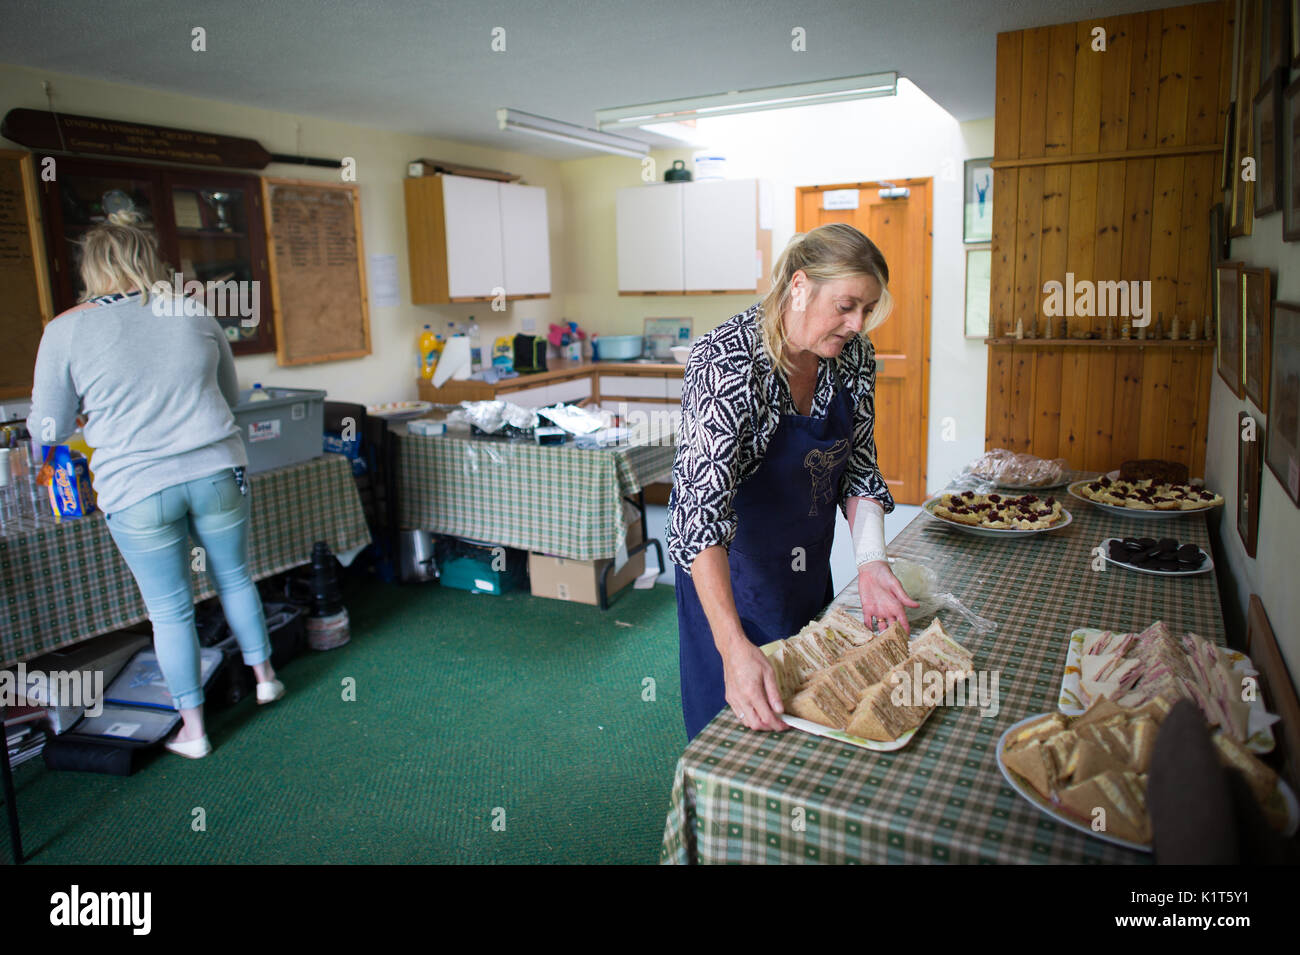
(998, 515)
(840, 680)
(1147, 489)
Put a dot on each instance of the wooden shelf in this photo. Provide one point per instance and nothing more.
(1101, 342)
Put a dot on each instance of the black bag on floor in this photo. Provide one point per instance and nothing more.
(286, 628)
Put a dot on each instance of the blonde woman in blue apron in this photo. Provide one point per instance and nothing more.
(778, 415)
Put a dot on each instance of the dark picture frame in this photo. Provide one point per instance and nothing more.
(1295, 34)
(1290, 169)
(977, 200)
(1240, 199)
(1249, 473)
(1220, 244)
(1257, 306)
(1229, 137)
(1283, 448)
(1266, 127)
(1274, 35)
(1229, 322)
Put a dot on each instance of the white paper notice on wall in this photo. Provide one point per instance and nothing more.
(758, 264)
(383, 281)
(840, 199)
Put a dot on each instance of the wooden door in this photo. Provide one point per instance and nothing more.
(901, 230)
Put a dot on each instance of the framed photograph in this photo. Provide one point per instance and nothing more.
(1250, 438)
(978, 194)
(979, 280)
(1228, 322)
(1265, 120)
(1283, 447)
(1274, 35)
(1257, 298)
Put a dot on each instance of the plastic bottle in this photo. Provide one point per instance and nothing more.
(259, 393)
(475, 348)
(426, 353)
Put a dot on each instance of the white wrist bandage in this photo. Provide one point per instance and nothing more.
(869, 532)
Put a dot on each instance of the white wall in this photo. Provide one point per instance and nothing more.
(898, 137)
(388, 373)
(1274, 571)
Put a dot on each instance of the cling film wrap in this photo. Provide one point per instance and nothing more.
(922, 585)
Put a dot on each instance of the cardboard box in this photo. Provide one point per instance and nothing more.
(563, 579)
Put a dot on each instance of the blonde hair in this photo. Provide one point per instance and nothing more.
(120, 256)
(828, 252)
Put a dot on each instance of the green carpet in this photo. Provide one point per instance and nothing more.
(466, 705)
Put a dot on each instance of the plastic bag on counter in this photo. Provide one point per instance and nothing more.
(922, 585)
(491, 417)
(577, 420)
(1009, 469)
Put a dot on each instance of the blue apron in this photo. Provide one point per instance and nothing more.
(788, 503)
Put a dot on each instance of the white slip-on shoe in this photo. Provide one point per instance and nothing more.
(194, 748)
(269, 691)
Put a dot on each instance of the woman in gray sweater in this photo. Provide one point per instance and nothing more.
(155, 380)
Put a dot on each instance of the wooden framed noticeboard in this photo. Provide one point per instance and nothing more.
(317, 267)
(24, 282)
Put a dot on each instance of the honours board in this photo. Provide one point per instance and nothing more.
(317, 265)
(24, 289)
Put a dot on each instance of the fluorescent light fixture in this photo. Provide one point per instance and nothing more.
(569, 133)
(748, 101)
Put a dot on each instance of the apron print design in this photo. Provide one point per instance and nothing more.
(821, 466)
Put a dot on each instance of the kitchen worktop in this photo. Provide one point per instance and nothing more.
(558, 370)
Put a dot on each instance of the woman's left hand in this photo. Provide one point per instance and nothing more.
(883, 597)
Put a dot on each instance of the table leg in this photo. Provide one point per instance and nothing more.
(11, 807)
(602, 588)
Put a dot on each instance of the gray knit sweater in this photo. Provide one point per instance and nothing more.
(156, 390)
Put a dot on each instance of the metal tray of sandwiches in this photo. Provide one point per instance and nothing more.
(998, 515)
(872, 690)
(1089, 772)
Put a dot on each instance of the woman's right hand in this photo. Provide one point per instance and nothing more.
(752, 691)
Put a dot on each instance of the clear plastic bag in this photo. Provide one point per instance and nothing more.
(922, 585)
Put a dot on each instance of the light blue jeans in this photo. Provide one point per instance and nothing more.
(153, 537)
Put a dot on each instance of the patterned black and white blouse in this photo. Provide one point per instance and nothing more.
(732, 402)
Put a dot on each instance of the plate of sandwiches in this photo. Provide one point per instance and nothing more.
(998, 515)
(1157, 667)
(1069, 767)
(1145, 498)
(840, 680)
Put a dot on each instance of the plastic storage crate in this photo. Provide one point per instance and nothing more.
(287, 428)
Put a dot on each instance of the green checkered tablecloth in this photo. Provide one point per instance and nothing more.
(555, 499)
(744, 796)
(61, 583)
